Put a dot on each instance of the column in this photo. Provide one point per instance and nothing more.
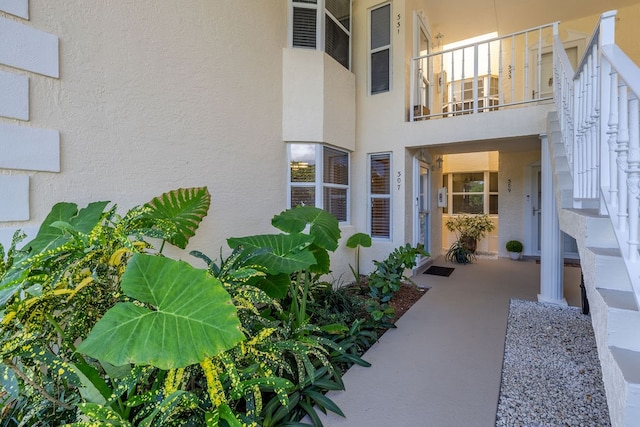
(551, 251)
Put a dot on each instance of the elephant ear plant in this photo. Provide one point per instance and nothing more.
(85, 308)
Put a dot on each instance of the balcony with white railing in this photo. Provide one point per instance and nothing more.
(495, 73)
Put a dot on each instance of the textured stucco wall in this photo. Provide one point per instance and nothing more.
(154, 96)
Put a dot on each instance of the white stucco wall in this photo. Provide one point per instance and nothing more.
(319, 103)
(154, 96)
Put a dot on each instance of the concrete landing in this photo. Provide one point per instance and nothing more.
(442, 366)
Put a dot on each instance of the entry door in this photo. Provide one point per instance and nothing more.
(424, 74)
(546, 70)
(536, 213)
(422, 210)
(569, 243)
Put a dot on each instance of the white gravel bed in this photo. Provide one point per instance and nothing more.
(551, 373)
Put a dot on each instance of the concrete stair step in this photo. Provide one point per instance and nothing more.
(611, 272)
(628, 363)
(623, 329)
(596, 230)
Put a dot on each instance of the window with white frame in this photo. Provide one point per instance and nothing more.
(380, 195)
(380, 49)
(323, 25)
(319, 176)
(472, 192)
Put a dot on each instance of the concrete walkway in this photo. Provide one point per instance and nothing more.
(442, 365)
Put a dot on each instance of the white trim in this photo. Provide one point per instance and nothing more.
(14, 193)
(15, 92)
(19, 8)
(28, 49)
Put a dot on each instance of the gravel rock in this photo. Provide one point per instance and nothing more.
(551, 373)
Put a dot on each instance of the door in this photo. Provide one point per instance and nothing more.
(536, 202)
(424, 73)
(569, 243)
(546, 71)
(422, 207)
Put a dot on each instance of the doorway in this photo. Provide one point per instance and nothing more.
(534, 199)
(422, 207)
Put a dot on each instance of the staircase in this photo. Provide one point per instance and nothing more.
(614, 312)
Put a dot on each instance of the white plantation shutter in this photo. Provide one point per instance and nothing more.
(304, 27)
(380, 195)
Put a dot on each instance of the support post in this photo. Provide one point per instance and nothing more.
(551, 251)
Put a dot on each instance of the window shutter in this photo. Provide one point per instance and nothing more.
(380, 71)
(380, 195)
(336, 42)
(381, 27)
(304, 27)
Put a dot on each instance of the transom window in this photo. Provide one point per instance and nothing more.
(472, 192)
(319, 176)
(323, 25)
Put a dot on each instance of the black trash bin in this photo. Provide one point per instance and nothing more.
(583, 292)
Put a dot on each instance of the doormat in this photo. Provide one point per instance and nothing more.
(439, 271)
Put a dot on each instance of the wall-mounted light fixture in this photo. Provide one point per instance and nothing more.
(439, 38)
(437, 165)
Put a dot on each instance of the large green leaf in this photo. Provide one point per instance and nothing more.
(193, 319)
(359, 239)
(283, 253)
(324, 226)
(179, 213)
(276, 285)
(50, 237)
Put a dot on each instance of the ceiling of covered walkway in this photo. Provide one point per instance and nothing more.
(461, 19)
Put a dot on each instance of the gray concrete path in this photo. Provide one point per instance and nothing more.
(442, 365)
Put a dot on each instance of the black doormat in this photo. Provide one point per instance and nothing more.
(439, 271)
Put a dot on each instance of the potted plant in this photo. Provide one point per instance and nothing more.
(514, 247)
(470, 228)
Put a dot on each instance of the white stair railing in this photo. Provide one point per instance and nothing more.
(598, 109)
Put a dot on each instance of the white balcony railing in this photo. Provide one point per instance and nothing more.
(600, 124)
(507, 71)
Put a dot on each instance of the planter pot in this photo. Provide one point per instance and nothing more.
(515, 255)
(470, 243)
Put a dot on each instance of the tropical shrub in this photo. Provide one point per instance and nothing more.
(474, 226)
(99, 328)
(74, 272)
(355, 242)
(460, 253)
(388, 276)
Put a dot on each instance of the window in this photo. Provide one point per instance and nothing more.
(323, 25)
(380, 195)
(470, 193)
(380, 52)
(461, 94)
(319, 176)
